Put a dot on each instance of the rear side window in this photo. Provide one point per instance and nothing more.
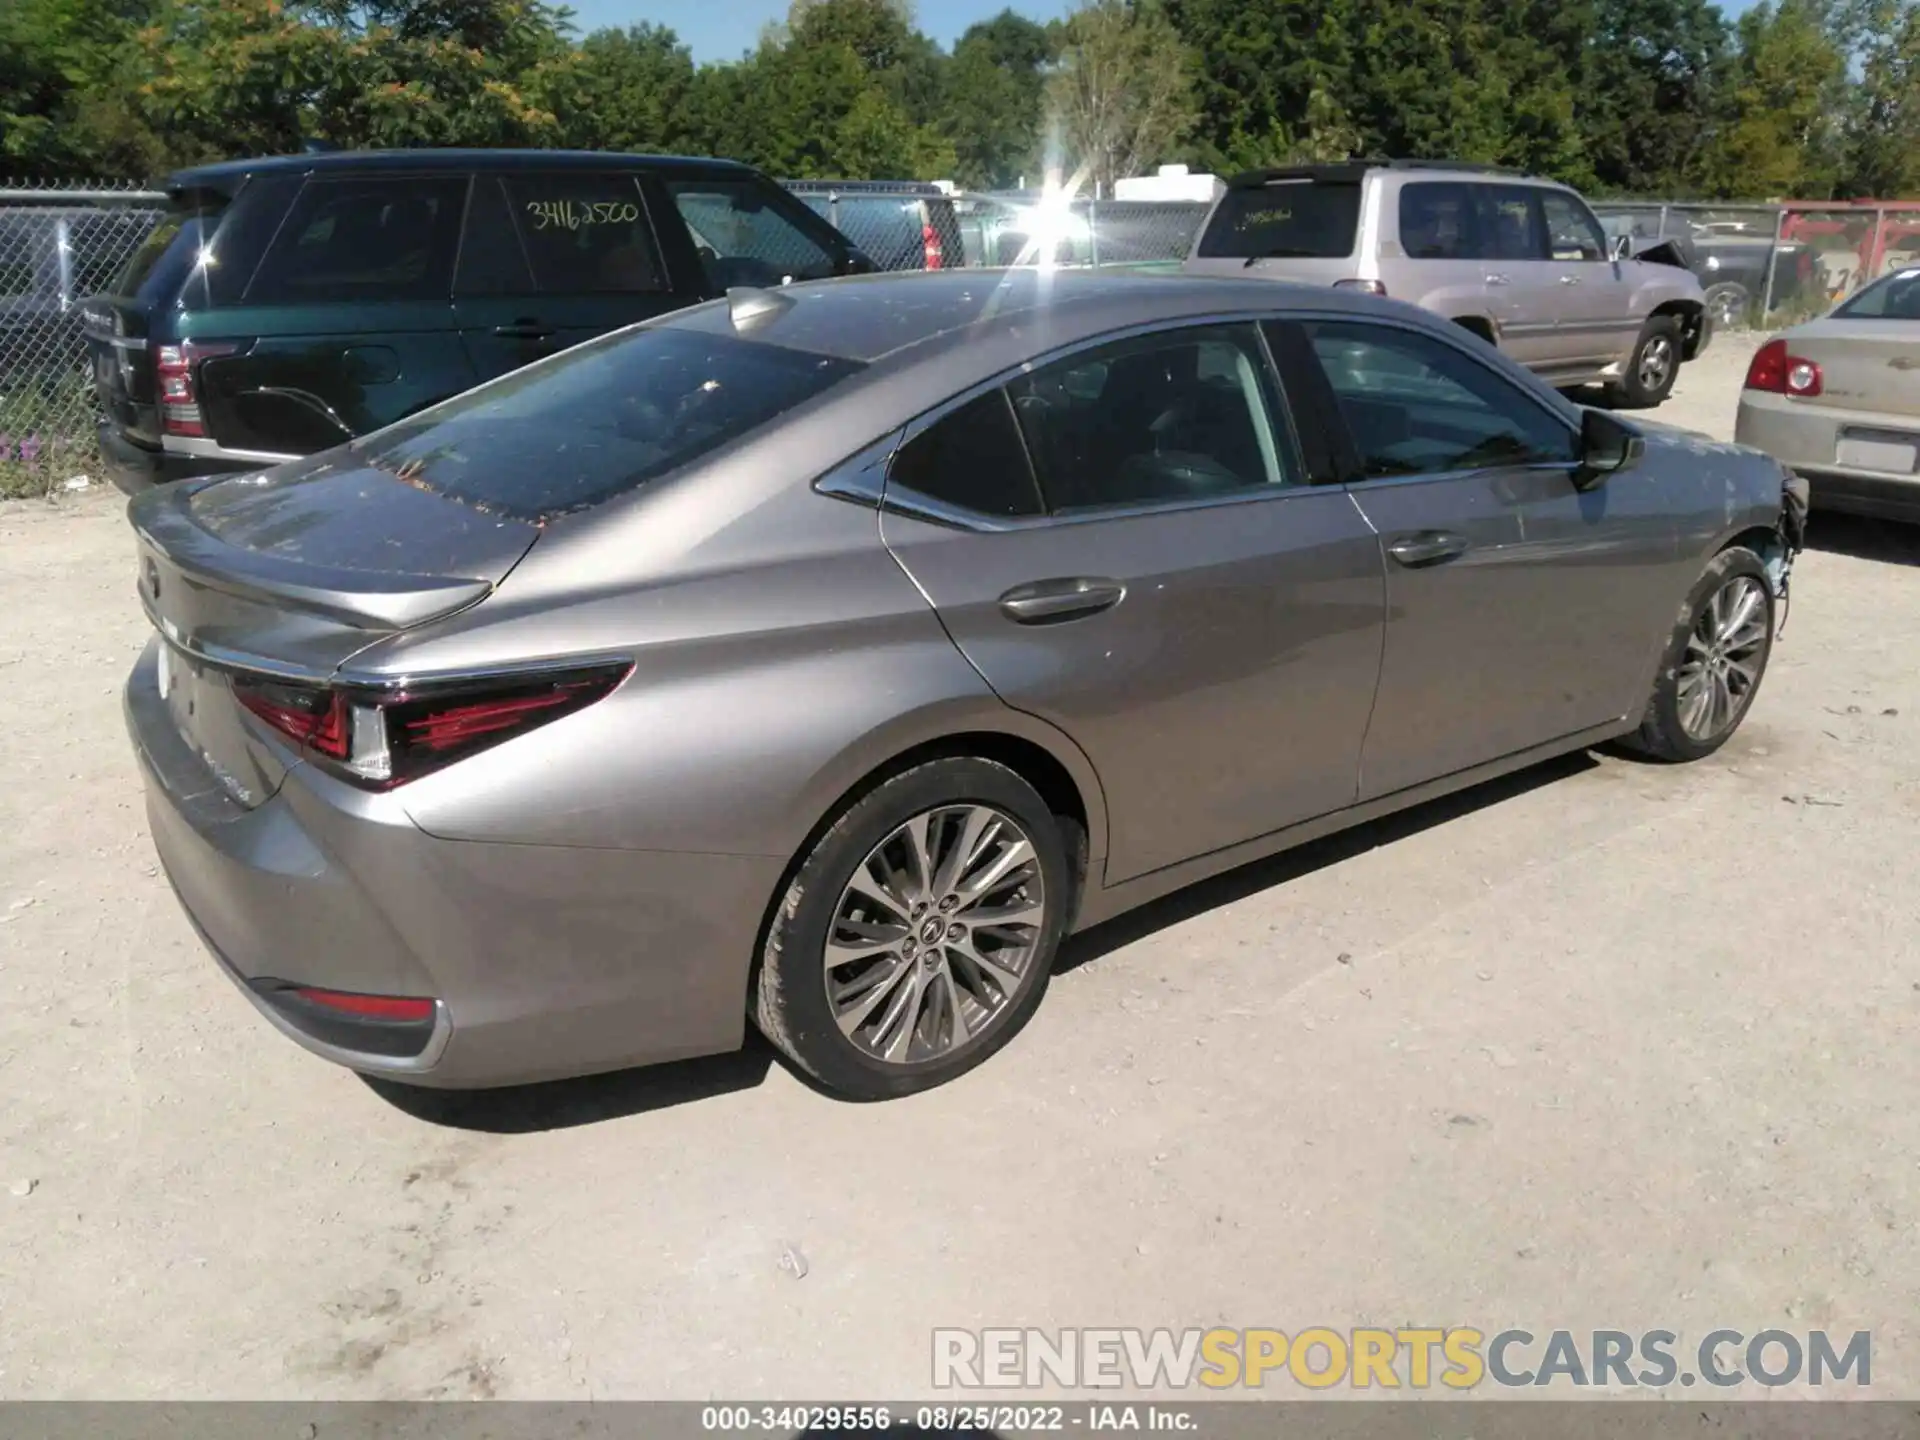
(1510, 223)
(1437, 222)
(971, 459)
(599, 420)
(585, 234)
(1298, 219)
(365, 239)
(745, 235)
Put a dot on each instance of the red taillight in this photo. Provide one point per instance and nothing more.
(1777, 371)
(379, 740)
(935, 252)
(1365, 287)
(175, 370)
(368, 1007)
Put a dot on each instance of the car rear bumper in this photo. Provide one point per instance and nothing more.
(542, 961)
(1806, 436)
(134, 467)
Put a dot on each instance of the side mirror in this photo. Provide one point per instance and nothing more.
(1606, 445)
(1623, 247)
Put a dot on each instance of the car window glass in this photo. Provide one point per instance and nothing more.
(585, 233)
(382, 239)
(743, 237)
(1418, 406)
(1510, 223)
(971, 459)
(1437, 222)
(1895, 298)
(1180, 415)
(598, 420)
(1296, 218)
(1571, 232)
(492, 260)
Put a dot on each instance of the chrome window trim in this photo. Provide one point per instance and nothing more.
(212, 450)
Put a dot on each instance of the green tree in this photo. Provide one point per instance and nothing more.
(1122, 96)
(995, 99)
(1883, 148)
(1646, 109)
(1270, 83)
(626, 89)
(1779, 125)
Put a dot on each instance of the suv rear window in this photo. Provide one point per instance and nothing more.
(599, 420)
(1314, 219)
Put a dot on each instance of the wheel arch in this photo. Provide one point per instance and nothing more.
(1691, 315)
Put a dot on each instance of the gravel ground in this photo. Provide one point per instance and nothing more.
(1604, 1044)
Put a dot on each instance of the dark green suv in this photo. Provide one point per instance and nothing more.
(286, 305)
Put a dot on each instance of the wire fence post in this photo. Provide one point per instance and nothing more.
(1773, 261)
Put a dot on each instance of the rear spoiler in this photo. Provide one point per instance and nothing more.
(360, 599)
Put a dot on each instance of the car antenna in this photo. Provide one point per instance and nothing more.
(748, 305)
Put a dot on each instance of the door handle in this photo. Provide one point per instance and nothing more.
(1047, 602)
(523, 330)
(1498, 280)
(1429, 547)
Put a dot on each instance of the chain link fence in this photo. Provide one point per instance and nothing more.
(1773, 265)
(57, 246)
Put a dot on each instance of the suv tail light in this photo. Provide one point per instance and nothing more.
(1778, 371)
(1365, 287)
(934, 252)
(176, 375)
(380, 740)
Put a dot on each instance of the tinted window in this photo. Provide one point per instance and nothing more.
(1180, 416)
(586, 233)
(1572, 232)
(1418, 406)
(365, 240)
(1286, 218)
(744, 236)
(1510, 223)
(891, 230)
(1437, 222)
(600, 419)
(972, 459)
(492, 260)
(1895, 297)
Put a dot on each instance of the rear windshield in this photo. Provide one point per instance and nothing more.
(170, 248)
(600, 420)
(1894, 297)
(1314, 219)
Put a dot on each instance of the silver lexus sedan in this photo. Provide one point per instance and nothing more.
(1838, 399)
(822, 657)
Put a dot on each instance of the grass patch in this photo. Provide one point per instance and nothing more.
(46, 435)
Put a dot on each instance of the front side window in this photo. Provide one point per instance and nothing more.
(1180, 415)
(1285, 219)
(601, 419)
(1572, 232)
(1437, 222)
(1417, 406)
(744, 236)
(374, 239)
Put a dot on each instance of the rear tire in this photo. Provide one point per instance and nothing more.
(1714, 661)
(929, 987)
(1653, 366)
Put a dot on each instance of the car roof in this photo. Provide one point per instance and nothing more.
(871, 317)
(353, 161)
(1352, 171)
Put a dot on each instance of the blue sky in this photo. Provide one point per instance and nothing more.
(722, 29)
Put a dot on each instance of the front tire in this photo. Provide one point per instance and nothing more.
(1653, 366)
(917, 937)
(1714, 661)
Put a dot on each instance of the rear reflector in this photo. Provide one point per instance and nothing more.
(368, 1007)
(932, 251)
(381, 739)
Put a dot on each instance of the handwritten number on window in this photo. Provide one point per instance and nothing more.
(580, 214)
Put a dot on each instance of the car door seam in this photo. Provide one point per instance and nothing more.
(1380, 669)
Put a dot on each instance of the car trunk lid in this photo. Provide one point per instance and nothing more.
(285, 575)
(1871, 365)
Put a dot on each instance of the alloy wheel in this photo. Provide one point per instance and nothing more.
(1656, 362)
(1725, 651)
(935, 934)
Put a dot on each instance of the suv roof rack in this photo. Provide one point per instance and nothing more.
(1353, 170)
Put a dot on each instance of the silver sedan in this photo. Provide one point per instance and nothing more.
(1838, 400)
